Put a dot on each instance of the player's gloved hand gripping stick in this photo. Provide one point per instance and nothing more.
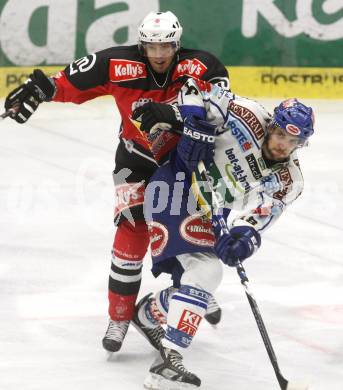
(219, 223)
(23, 101)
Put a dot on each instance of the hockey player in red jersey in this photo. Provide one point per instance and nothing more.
(151, 71)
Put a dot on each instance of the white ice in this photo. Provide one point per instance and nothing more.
(56, 202)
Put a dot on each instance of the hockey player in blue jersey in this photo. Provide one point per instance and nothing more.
(251, 160)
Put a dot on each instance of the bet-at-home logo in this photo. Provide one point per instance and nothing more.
(306, 22)
(19, 34)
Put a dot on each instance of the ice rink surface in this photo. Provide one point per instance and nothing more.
(56, 202)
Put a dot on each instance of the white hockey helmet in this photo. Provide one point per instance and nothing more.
(160, 27)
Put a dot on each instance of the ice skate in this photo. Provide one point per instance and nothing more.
(168, 373)
(115, 335)
(153, 333)
(214, 312)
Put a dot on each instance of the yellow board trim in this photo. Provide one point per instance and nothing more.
(12, 77)
(270, 82)
(282, 82)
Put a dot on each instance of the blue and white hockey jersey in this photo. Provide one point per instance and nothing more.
(244, 181)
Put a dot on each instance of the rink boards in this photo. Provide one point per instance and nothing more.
(273, 82)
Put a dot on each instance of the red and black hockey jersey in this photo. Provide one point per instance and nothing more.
(126, 75)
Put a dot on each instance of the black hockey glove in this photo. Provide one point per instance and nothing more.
(155, 116)
(25, 99)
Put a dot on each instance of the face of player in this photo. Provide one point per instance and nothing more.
(160, 55)
(279, 144)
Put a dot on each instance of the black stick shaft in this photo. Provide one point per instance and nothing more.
(261, 327)
(245, 282)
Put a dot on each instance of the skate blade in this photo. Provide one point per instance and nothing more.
(158, 382)
(109, 356)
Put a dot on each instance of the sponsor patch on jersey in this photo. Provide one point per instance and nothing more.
(262, 163)
(189, 67)
(236, 173)
(253, 165)
(140, 102)
(189, 322)
(286, 180)
(243, 139)
(249, 118)
(128, 195)
(125, 70)
(158, 234)
(197, 230)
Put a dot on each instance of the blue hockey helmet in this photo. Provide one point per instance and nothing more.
(295, 118)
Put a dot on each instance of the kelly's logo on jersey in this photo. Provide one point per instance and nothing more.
(125, 70)
(248, 117)
(193, 68)
(128, 195)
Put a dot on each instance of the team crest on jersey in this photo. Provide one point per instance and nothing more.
(125, 70)
(248, 117)
(193, 68)
(197, 230)
(158, 234)
(189, 322)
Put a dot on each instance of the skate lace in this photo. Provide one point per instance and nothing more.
(117, 330)
(176, 361)
(212, 305)
(156, 333)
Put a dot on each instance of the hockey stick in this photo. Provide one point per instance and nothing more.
(284, 383)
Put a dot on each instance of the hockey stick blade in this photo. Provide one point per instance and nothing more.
(291, 385)
(284, 383)
(298, 386)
